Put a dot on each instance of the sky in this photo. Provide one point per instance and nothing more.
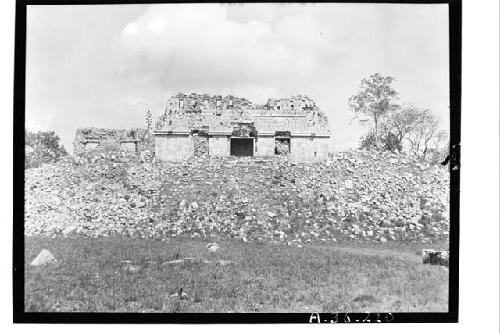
(106, 65)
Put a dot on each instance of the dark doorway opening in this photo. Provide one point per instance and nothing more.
(241, 147)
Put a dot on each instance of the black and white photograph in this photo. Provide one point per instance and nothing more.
(240, 158)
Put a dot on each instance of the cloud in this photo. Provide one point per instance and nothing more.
(198, 46)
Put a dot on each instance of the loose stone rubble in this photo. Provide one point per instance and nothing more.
(360, 196)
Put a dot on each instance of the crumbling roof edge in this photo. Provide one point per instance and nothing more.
(315, 135)
(166, 132)
(278, 116)
(225, 133)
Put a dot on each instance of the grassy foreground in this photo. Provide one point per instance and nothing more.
(91, 276)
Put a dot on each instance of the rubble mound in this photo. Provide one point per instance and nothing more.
(358, 195)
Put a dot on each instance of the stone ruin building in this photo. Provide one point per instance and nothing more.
(212, 125)
(201, 125)
(132, 142)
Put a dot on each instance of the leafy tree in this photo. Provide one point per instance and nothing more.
(375, 99)
(42, 147)
(391, 142)
(401, 122)
(425, 130)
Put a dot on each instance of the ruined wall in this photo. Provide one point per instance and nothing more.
(200, 144)
(174, 147)
(219, 146)
(264, 146)
(95, 141)
(296, 124)
(198, 103)
(303, 149)
(298, 113)
(226, 117)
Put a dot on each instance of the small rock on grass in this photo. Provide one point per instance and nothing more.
(175, 262)
(213, 247)
(43, 258)
(132, 268)
(225, 262)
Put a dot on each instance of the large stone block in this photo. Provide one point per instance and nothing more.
(433, 257)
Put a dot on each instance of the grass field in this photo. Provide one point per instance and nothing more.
(130, 275)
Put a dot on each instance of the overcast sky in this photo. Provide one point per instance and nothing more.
(104, 66)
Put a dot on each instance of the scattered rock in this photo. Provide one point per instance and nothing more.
(225, 262)
(174, 262)
(69, 229)
(179, 294)
(157, 200)
(433, 257)
(132, 268)
(43, 258)
(213, 247)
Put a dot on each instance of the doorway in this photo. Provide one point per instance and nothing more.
(282, 146)
(241, 147)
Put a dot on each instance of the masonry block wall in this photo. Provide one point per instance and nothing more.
(92, 140)
(265, 146)
(218, 145)
(233, 125)
(177, 147)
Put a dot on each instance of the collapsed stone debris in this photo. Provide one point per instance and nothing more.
(360, 196)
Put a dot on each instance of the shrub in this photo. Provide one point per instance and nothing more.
(42, 147)
(387, 141)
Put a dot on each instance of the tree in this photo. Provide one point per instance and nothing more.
(439, 147)
(375, 99)
(425, 129)
(42, 147)
(401, 122)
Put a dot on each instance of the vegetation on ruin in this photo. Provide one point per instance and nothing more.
(397, 127)
(96, 275)
(42, 147)
(375, 99)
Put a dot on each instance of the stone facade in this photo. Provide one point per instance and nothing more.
(133, 142)
(201, 125)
